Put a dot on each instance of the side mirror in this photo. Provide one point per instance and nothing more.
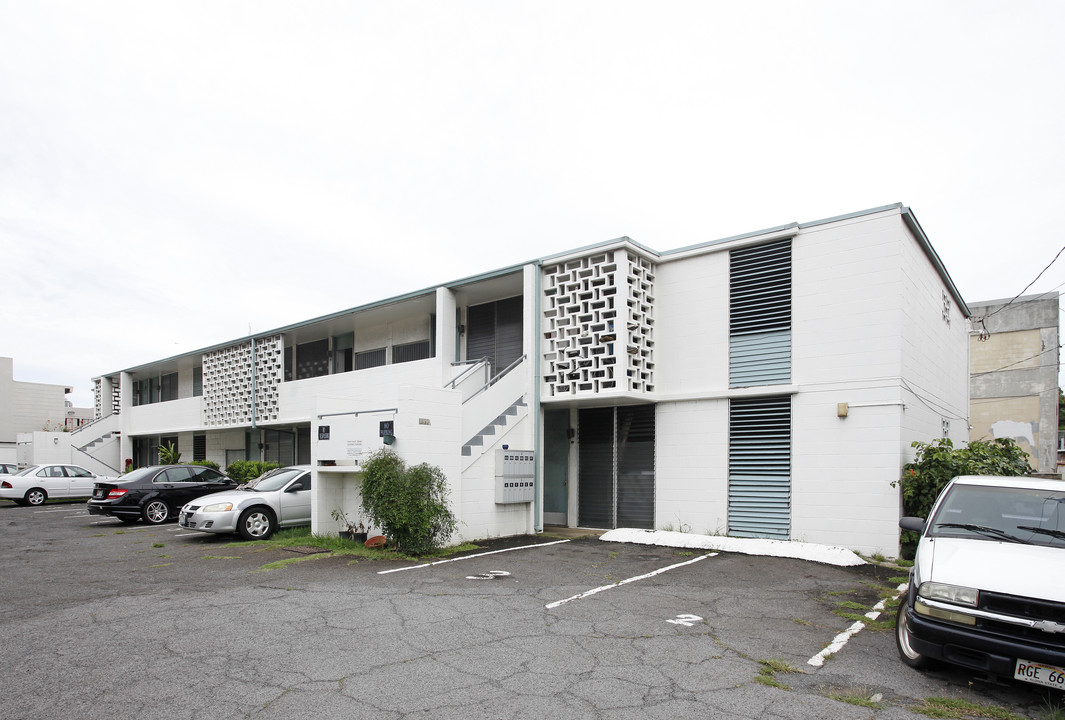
(912, 523)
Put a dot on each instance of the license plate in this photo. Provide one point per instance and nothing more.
(1040, 674)
(183, 519)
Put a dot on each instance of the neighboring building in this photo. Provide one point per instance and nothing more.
(27, 407)
(763, 385)
(1014, 375)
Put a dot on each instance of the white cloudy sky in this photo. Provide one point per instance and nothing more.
(173, 174)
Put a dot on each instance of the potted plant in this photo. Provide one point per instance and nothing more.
(352, 530)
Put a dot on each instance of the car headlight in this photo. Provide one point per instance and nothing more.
(943, 592)
(956, 594)
(217, 507)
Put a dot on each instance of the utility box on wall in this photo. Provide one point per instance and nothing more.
(514, 476)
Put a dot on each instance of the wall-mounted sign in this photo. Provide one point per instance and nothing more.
(388, 428)
(323, 432)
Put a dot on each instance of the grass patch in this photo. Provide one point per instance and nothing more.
(156, 545)
(900, 580)
(336, 546)
(962, 709)
(861, 698)
(850, 605)
(770, 681)
(277, 564)
(775, 666)
(220, 557)
(878, 557)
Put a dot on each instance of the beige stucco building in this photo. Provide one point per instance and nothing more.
(1014, 374)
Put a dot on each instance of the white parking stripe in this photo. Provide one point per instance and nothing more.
(626, 582)
(470, 557)
(188, 534)
(840, 640)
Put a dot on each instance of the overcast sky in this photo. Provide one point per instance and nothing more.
(177, 174)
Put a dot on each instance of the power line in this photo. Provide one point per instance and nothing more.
(985, 317)
(1006, 367)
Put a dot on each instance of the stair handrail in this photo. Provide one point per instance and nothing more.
(96, 459)
(465, 373)
(496, 378)
(89, 424)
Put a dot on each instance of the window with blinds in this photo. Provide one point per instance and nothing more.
(759, 467)
(760, 315)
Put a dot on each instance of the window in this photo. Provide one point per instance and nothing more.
(342, 352)
(410, 352)
(312, 359)
(174, 475)
(168, 387)
(199, 447)
(369, 359)
(197, 382)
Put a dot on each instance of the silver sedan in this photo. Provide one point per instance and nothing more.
(278, 499)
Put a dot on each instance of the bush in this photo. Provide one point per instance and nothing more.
(409, 504)
(206, 463)
(244, 471)
(937, 462)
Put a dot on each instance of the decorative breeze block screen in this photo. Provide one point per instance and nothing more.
(227, 382)
(598, 324)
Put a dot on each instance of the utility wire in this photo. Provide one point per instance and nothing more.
(985, 317)
(1007, 367)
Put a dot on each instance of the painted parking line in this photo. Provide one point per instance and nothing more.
(627, 581)
(53, 510)
(840, 640)
(470, 557)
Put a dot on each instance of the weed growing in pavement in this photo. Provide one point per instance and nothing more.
(854, 696)
(158, 545)
(962, 709)
(1054, 710)
(778, 666)
(220, 557)
(767, 673)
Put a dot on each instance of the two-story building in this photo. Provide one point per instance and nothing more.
(763, 385)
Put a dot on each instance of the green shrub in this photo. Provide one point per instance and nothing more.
(169, 455)
(409, 504)
(206, 463)
(938, 462)
(244, 471)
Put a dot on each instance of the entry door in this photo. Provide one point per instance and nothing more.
(556, 467)
(617, 467)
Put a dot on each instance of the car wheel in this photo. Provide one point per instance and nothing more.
(903, 641)
(36, 496)
(256, 524)
(155, 512)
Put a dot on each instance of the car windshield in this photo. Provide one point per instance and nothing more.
(275, 480)
(28, 471)
(1010, 514)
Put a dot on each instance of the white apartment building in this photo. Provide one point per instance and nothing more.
(763, 385)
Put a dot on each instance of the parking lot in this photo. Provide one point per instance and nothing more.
(105, 620)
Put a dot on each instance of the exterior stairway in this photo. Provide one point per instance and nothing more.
(516, 410)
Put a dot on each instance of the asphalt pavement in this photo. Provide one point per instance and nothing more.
(104, 620)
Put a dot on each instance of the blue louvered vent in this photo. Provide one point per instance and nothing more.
(759, 468)
(760, 315)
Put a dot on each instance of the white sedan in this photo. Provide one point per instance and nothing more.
(37, 483)
(281, 498)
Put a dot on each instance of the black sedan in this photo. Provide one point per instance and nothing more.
(153, 494)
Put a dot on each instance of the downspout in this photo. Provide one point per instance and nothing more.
(534, 356)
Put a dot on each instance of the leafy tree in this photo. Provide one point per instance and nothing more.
(938, 462)
(409, 504)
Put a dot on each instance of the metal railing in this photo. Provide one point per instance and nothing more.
(496, 378)
(468, 371)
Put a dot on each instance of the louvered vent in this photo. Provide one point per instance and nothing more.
(760, 315)
(760, 467)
